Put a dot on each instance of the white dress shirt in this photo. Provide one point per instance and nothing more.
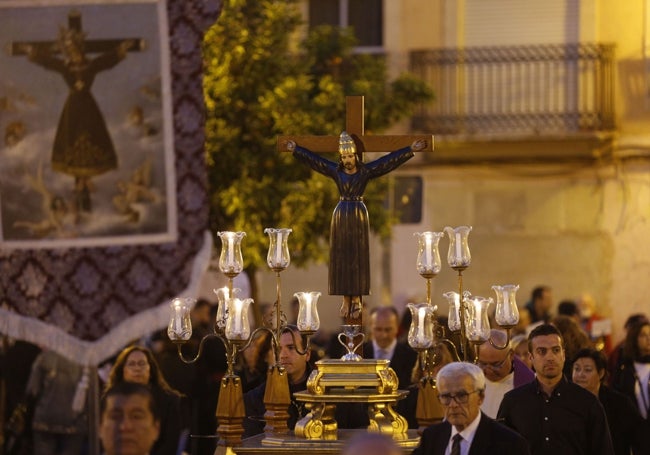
(468, 434)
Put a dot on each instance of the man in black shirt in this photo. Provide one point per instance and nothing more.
(555, 416)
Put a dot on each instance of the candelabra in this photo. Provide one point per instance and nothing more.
(232, 327)
(468, 315)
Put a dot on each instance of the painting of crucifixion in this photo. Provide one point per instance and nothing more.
(86, 155)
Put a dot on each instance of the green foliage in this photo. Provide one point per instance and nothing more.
(257, 86)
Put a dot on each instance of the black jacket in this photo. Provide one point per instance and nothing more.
(491, 438)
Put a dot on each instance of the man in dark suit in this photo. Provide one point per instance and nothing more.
(466, 430)
(384, 323)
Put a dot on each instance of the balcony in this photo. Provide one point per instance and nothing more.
(558, 99)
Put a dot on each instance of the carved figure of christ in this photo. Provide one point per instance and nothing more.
(349, 261)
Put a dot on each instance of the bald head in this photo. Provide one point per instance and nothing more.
(495, 363)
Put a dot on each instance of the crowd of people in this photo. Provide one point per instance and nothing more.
(554, 388)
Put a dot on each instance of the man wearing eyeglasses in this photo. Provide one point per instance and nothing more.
(555, 416)
(503, 371)
(466, 430)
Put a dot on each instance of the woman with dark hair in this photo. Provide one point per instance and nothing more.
(633, 375)
(625, 423)
(137, 364)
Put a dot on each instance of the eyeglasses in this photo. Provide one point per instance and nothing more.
(493, 365)
(139, 363)
(461, 397)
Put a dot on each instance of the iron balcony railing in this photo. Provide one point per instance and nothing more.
(536, 89)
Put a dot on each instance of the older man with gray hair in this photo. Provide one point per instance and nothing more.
(502, 369)
(461, 390)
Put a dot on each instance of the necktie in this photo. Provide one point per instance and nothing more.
(455, 445)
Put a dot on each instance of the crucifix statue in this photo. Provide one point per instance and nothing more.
(349, 260)
(82, 146)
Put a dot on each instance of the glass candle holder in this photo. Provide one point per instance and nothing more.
(237, 323)
(506, 313)
(278, 256)
(421, 333)
(180, 323)
(223, 295)
(308, 320)
(478, 325)
(231, 262)
(453, 299)
(458, 255)
(428, 262)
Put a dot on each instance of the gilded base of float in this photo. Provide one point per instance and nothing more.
(369, 381)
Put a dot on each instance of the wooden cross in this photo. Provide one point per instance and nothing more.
(354, 125)
(90, 46)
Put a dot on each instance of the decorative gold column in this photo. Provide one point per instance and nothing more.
(230, 411)
(277, 399)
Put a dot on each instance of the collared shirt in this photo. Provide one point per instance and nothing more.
(467, 434)
(388, 352)
(494, 392)
(569, 422)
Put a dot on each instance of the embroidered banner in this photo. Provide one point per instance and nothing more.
(103, 199)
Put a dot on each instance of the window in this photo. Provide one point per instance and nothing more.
(364, 16)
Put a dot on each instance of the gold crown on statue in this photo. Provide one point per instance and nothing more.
(346, 144)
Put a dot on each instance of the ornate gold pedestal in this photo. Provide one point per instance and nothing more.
(369, 381)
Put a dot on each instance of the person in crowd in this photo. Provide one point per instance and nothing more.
(633, 376)
(540, 304)
(57, 387)
(371, 444)
(589, 317)
(297, 367)
(555, 416)
(461, 390)
(574, 339)
(136, 364)
(502, 369)
(384, 322)
(519, 345)
(296, 362)
(625, 422)
(129, 421)
(569, 308)
(615, 359)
